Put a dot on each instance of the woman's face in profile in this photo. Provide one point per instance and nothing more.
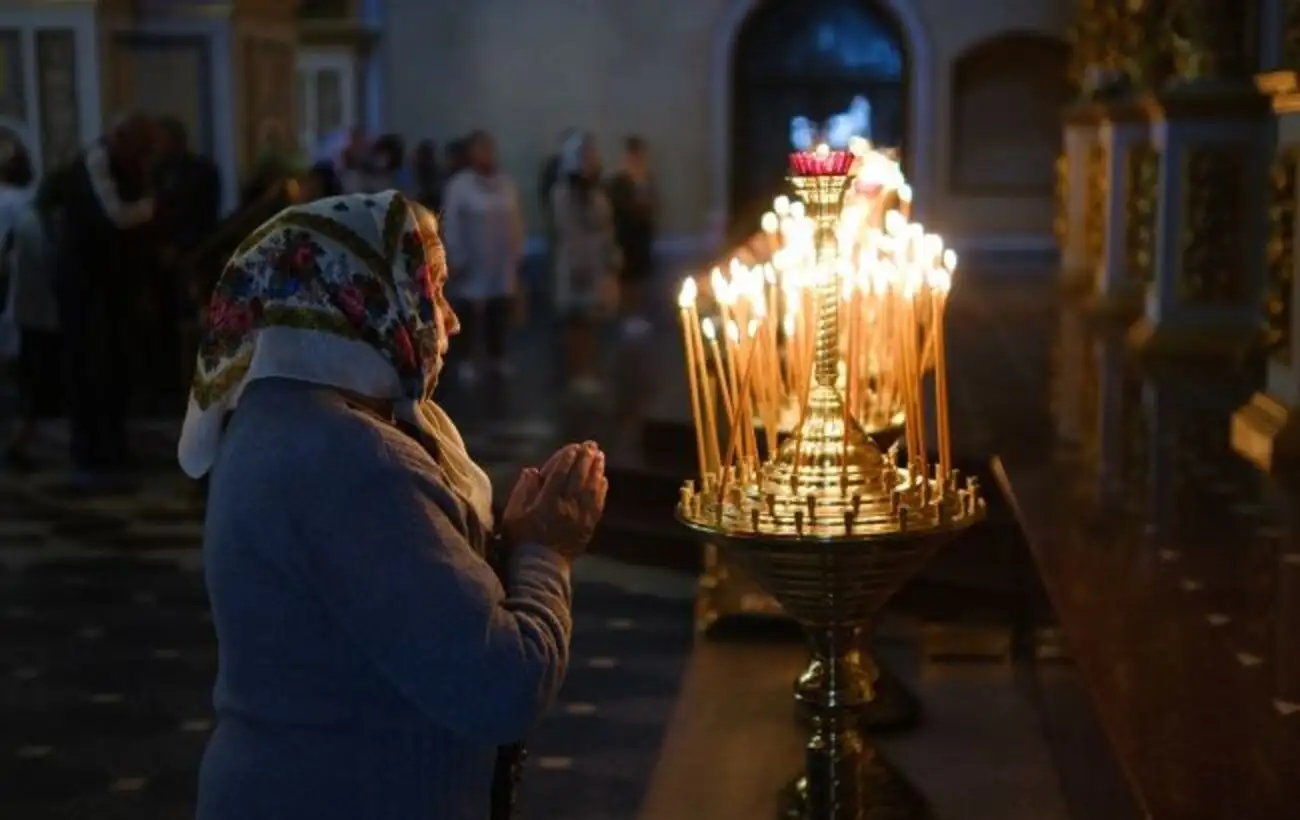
(444, 316)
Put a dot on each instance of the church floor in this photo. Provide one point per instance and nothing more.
(105, 681)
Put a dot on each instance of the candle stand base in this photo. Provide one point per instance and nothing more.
(725, 592)
(834, 588)
(893, 797)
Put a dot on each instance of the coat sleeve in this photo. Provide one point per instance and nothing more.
(123, 215)
(404, 583)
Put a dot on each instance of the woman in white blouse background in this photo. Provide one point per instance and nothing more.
(483, 231)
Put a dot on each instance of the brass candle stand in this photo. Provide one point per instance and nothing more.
(831, 524)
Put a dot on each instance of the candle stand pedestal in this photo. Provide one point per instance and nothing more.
(726, 591)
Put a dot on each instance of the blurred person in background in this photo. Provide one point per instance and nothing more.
(189, 209)
(108, 196)
(355, 163)
(634, 203)
(587, 259)
(384, 168)
(483, 231)
(274, 162)
(31, 311)
(426, 176)
(457, 156)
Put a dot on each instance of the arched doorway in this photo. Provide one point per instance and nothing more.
(807, 58)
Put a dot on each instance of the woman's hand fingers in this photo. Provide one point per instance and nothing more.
(577, 477)
(523, 491)
(554, 460)
(555, 477)
(593, 471)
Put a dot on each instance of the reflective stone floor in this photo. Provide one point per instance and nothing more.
(109, 656)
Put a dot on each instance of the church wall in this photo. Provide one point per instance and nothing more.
(56, 107)
(526, 70)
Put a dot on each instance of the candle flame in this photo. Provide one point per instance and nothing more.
(721, 288)
(781, 206)
(687, 295)
(710, 331)
(733, 332)
(905, 193)
(770, 223)
(950, 260)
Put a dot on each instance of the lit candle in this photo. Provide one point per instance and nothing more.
(905, 200)
(686, 304)
(734, 357)
(719, 363)
(943, 285)
(742, 427)
(714, 451)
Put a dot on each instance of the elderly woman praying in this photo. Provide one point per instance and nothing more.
(371, 659)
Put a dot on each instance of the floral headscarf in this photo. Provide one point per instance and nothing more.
(336, 292)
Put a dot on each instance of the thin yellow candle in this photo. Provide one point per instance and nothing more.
(713, 451)
(719, 365)
(734, 349)
(942, 285)
(914, 382)
(739, 434)
(790, 328)
(686, 305)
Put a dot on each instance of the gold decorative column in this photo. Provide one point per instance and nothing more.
(1280, 260)
(1211, 126)
(1081, 191)
(1131, 169)
(1141, 178)
(1265, 429)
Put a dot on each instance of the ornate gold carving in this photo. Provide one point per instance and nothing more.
(1291, 34)
(1086, 38)
(1213, 236)
(1209, 39)
(1281, 252)
(1060, 225)
(1141, 178)
(1098, 184)
(1147, 42)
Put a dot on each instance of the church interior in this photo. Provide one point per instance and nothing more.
(1101, 632)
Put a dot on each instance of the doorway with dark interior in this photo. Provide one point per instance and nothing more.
(807, 58)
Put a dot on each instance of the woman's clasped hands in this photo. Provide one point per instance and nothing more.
(559, 505)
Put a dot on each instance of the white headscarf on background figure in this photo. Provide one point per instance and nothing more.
(335, 292)
(571, 153)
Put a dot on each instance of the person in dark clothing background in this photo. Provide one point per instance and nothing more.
(633, 200)
(273, 164)
(107, 197)
(189, 189)
(457, 156)
(189, 208)
(426, 176)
